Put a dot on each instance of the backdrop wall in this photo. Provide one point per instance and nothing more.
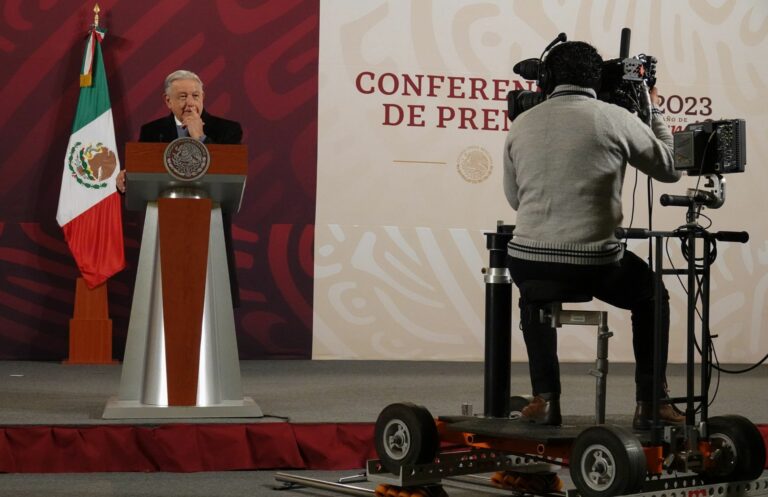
(375, 131)
(411, 131)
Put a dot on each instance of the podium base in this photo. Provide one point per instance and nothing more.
(133, 409)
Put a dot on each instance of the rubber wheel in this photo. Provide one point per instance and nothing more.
(742, 449)
(607, 461)
(405, 435)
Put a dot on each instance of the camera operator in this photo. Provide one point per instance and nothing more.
(564, 166)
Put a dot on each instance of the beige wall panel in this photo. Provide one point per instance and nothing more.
(401, 208)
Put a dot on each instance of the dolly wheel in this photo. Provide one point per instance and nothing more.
(738, 449)
(405, 435)
(607, 461)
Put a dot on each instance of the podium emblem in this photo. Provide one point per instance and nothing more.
(186, 159)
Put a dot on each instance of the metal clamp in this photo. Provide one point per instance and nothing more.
(497, 275)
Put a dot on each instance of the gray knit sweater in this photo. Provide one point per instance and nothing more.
(564, 165)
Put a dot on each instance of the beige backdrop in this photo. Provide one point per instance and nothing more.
(407, 185)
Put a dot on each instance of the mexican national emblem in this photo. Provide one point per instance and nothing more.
(475, 164)
(91, 165)
(186, 159)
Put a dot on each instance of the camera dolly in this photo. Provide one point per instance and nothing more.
(722, 455)
(705, 457)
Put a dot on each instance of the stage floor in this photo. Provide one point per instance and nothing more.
(34, 394)
(228, 484)
(42, 393)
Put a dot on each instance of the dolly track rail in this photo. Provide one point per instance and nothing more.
(449, 464)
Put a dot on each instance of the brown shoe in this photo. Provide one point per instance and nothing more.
(668, 415)
(544, 409)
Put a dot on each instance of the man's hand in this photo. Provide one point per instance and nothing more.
(193, 123)
(655, 99)
(120, 181)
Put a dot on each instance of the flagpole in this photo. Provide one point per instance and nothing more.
(90, 328)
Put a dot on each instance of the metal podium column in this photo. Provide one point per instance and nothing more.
(144, 381)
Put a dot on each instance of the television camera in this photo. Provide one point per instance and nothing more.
(624, 82)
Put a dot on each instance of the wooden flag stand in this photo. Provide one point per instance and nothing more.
(90, 329)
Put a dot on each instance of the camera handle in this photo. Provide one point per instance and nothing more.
(695, 198)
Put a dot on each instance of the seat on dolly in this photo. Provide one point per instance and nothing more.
(547, 298)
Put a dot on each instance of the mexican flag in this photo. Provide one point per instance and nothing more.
(89, 205)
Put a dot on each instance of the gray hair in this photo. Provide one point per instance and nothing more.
(179, 75)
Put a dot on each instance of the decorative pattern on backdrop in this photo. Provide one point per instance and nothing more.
(410, 141)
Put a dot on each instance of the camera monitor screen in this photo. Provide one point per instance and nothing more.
(711, 147)
(684, 150)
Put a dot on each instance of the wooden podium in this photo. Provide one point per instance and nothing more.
(181, 356)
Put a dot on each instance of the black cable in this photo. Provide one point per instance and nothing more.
(636, 101)
(649, 190)
(745, 370)
(699, 214)
(712, 357)
(713, 256)
(708, 373)
(716, 363)
(682, 233)
(284, 418)
(632, 212)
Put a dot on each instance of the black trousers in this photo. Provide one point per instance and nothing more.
(627, 284)
(234, 286)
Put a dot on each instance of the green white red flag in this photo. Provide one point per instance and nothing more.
(90, 212)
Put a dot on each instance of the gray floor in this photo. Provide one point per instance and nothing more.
(231, 484)
(353, 391)
(306, 391)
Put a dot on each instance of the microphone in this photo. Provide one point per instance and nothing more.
(560, 38)
(626, 34)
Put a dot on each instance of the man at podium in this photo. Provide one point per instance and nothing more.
(184, 98)
(183, 95)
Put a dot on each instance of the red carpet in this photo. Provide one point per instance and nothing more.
(190, 447)
(185, 447)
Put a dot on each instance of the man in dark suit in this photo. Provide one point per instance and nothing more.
(184, 96)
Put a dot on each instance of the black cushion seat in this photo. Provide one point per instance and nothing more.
(546, 291)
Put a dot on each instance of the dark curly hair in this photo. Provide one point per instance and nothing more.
(575, 63)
